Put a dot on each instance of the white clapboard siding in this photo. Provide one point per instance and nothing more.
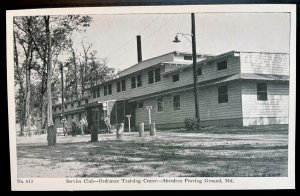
(69, 108)
(275, 107)
(210, 109)
(168, 115)
(265, 63)
(129, 92)
(209, 72)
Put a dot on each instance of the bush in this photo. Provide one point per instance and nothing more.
(190, 123)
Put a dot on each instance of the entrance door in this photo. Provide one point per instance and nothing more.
(130, 110)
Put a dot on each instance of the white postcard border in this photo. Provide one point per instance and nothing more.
(238, 183)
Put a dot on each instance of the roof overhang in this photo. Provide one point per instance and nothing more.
(267, 77)
(221, 80)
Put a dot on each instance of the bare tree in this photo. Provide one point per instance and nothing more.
(21, 31)
(48, 36)
(85, 66)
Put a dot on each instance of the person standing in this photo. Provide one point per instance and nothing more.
(74, 126)
(63, 122)
(81, 124)
(66, 127)
(107, 123)
(85, 125)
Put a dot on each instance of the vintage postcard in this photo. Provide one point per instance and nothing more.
(152, 98)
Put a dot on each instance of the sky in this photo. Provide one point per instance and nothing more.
(114, 36)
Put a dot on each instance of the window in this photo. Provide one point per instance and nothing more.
(223, 94)
(139, 80)
(79, 103)
(222, 65)
(176, 102)
(176, 78)
(94, 93)
(59, 107)
(98, 92)
(160, 104)
(66, 106)
(199, 71)
(123, 85)
(140, 104)
(54, 109)
(72, 104)
(105, 90)
(157, 74)
(262, 91)
(133, 84)
(187, 57)
(109, 89)
(119, 86)
(86, 101)
(150, 77)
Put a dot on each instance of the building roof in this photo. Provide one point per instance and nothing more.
(167, 58)
(143, 64)
(149, 63)
(270, 77)
(212, 58)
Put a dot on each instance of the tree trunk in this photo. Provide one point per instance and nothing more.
(42, 102)
(28, 67)
(43, 89)
(85, 65)
(21, 90)
(120, 131)
(94, 133)
(50, 127)
(62, 93)
(81, 78)
(75, 67)
(27, 102)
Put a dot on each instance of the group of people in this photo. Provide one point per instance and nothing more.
(82, 126)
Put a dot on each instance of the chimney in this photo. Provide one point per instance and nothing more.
(139, 48)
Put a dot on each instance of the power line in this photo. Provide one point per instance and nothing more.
(126, 44)
(160, 27)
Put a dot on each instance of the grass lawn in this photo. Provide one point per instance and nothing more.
(229, 152)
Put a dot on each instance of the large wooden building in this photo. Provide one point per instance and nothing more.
(235, 88)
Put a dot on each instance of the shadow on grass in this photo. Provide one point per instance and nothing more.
(166, 155)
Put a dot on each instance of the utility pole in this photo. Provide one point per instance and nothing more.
(195, 72)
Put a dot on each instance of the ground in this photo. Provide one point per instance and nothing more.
(231, 152)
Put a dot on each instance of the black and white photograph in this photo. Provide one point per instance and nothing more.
(169, 97)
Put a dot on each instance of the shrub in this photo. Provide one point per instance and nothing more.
(190, 123)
